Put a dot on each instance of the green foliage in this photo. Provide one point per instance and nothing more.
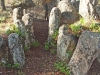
(20, 73)
(94, 27)
(62, 67)
(16, 65)
(50, 45)
(14, 29)
(53, 51)
(69, 53)
(53, 44)
(54, 36)
(3, 18)
(26, 48)
(9, 65)
(82, 21)
(36, 44)
(3, 64)
(75, 28)
(46, 46)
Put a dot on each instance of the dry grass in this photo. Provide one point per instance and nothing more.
(5, 21)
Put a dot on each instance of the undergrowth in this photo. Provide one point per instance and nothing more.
(63, 67)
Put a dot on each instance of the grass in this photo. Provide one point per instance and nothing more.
(20, 73)
(46, 46)
(9, 65)
(54, 36)
(63, 67)
(53, 51)
(80, 26)
(26, 48)
(5, 21)
(36, 44)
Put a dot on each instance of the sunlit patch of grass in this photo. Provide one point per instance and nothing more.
(5, 21)
(4, 27)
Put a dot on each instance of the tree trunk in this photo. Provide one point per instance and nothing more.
(2, 4)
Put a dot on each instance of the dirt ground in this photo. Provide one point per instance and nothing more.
(38, 60)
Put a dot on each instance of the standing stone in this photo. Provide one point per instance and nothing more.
(28, 20)
(87, 50)
(1, 41)
(69, 14)
(24, 35)
(16, 49)
(17, 13)
(89, 9)
(66, 42)
(54, 22)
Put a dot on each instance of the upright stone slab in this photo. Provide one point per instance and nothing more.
(89, 9)
(17, 13)
(28, 20)
(24, 35)
(16, 49)
(1, 41)
(68, 11)
(54, 22)
(87, 50)
(66, 42)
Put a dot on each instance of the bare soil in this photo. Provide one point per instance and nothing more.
(38, 60)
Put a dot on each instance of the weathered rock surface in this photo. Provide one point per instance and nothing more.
(44, 8)
(22, 3)
(73, 1)
(69, 14)
(16, 49)
(54, 22)
(28, 20)
(24, 35)
(1, 41)
(87, 50)
(17, 13)
(89, 8)
(21, 26)
(76, 5)
(98, 11)
(36, 11)
(52, 4)
(41, 2)
(98, 58)
(66, 42)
